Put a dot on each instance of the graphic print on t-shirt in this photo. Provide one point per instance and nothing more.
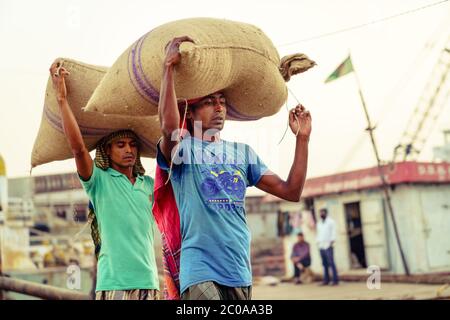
(223, 189)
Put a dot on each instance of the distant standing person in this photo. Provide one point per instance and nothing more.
(300, 256)
(326, 236)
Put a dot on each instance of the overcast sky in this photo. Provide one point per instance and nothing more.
(393, 60)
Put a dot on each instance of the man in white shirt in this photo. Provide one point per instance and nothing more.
(326, 236)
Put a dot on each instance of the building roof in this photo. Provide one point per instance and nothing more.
(400, 173)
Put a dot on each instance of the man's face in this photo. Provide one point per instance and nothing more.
(123, 152)
(323, 214)
(211, 111)
(300, 238)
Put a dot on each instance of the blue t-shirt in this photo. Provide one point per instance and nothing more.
(209, 180)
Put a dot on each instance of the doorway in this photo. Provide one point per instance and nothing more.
(355, 235)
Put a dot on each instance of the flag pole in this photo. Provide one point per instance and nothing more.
(385, 186)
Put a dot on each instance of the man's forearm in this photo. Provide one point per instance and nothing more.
(297, 174)
(71, 128)
(290, 189)
(169, 114)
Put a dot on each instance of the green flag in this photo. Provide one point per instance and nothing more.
(344, 68)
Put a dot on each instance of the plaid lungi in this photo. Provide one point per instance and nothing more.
(210, 290)
(136, 294)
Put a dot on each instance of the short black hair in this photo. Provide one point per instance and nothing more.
(300, 234)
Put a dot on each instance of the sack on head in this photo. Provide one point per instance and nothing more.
(51, 143)
(235, 58)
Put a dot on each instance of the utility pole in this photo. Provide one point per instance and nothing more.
(385, 186)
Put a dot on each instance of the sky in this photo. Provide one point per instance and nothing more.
(393, 60)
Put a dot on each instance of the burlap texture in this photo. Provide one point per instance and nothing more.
(234, 57)
(51, 143)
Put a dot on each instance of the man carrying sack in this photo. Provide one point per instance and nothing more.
(209, 177)
(121, 197)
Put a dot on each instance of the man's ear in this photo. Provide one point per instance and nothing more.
(189, 114)
(108, 149)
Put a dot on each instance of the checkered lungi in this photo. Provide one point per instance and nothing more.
(210, 290)
(136, 294)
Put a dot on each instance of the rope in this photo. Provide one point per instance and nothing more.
(287, 125)
(179, 139)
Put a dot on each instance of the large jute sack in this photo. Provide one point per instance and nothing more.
(235, 57)
(51, 144)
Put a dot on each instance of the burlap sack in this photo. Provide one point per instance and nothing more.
(235, 57)
(51, 144)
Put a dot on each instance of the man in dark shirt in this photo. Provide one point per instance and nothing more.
(300, 257)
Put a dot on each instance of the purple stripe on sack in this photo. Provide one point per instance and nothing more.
(131, 73)
(149, 93)
(137, 75)
(88, 132)
(152, 91)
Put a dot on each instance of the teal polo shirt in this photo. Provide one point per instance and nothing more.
(125, 220)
